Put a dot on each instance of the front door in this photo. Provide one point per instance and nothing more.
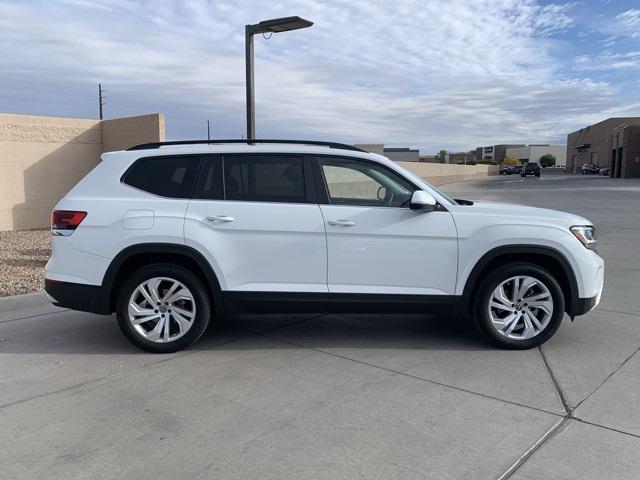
(249, 214)
(376, 244)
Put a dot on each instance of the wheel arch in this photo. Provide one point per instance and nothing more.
(137, 256)
(546, 257)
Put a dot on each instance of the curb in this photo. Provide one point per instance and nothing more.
(26, 300)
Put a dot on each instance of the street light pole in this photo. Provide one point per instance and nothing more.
(248, 60)
(267, 26)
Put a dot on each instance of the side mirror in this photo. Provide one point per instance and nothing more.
(423, 201)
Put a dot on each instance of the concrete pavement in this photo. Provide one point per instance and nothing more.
(340, 396)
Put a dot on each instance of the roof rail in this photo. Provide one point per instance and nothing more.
(152, 145)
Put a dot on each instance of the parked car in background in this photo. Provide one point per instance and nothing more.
(590, 169)
(604, 170)
(530, 168)
(510, 169)
(173, 235)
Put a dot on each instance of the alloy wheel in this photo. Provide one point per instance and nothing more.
(161, 309)
(520, 307)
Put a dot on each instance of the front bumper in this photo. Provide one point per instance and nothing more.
(585, 305)
(76, 296)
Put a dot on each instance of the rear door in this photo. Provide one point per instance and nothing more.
(256, 218)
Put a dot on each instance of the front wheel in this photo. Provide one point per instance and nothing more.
(163, 308)
(519, 306)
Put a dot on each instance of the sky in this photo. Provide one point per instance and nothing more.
(429, 74)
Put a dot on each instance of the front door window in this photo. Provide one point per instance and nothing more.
(359, 183)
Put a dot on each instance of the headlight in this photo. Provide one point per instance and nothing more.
(586, 234)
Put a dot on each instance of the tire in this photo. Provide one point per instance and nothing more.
(547, 288)
(189, 296)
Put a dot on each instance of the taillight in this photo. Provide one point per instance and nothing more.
(64, 222)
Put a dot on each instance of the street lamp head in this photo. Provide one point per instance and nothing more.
(279, 25)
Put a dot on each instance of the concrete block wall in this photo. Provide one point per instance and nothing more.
(356, 184)
(122, 133)
(442, 173)
(41, 158)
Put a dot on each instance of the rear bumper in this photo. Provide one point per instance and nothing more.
(76, 296)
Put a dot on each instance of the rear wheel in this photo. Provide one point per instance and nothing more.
(163, 308)
(519, 306)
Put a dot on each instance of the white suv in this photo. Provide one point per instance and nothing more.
(169, 235)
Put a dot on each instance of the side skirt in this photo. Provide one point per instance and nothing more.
(294, 302)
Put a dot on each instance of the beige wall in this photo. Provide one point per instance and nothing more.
(41, 158)
(441, 173)
(122, 133)
(354, 184)
(372, 147)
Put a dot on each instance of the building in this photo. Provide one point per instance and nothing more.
(41, 158)
(494, 153)
(461, 158)
(593, 144)
(532, 153)
(402, 154)
(625, 152)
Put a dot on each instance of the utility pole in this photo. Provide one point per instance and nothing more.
(100, 99)
(208, 131)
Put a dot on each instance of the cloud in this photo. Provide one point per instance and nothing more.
(608, 60)
(629, 22)
(424, 73)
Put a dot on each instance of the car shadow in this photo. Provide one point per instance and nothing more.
(77, 333)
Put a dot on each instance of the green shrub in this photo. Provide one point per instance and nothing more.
(547, 160)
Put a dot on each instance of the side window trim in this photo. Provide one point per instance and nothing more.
(323, 189)
(309, 180)
(204, 159)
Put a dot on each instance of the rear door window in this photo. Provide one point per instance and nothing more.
(264, 178)
(166, 176)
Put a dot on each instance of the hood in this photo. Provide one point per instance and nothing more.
(522, 213)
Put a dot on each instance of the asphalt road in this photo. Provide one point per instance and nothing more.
(372, 397)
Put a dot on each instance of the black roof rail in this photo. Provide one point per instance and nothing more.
(152, 145)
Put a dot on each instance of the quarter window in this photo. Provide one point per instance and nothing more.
(167, 176)
(264, 178)
(353, 182)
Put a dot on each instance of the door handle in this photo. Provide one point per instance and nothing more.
(341, 223)
(221, 218)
